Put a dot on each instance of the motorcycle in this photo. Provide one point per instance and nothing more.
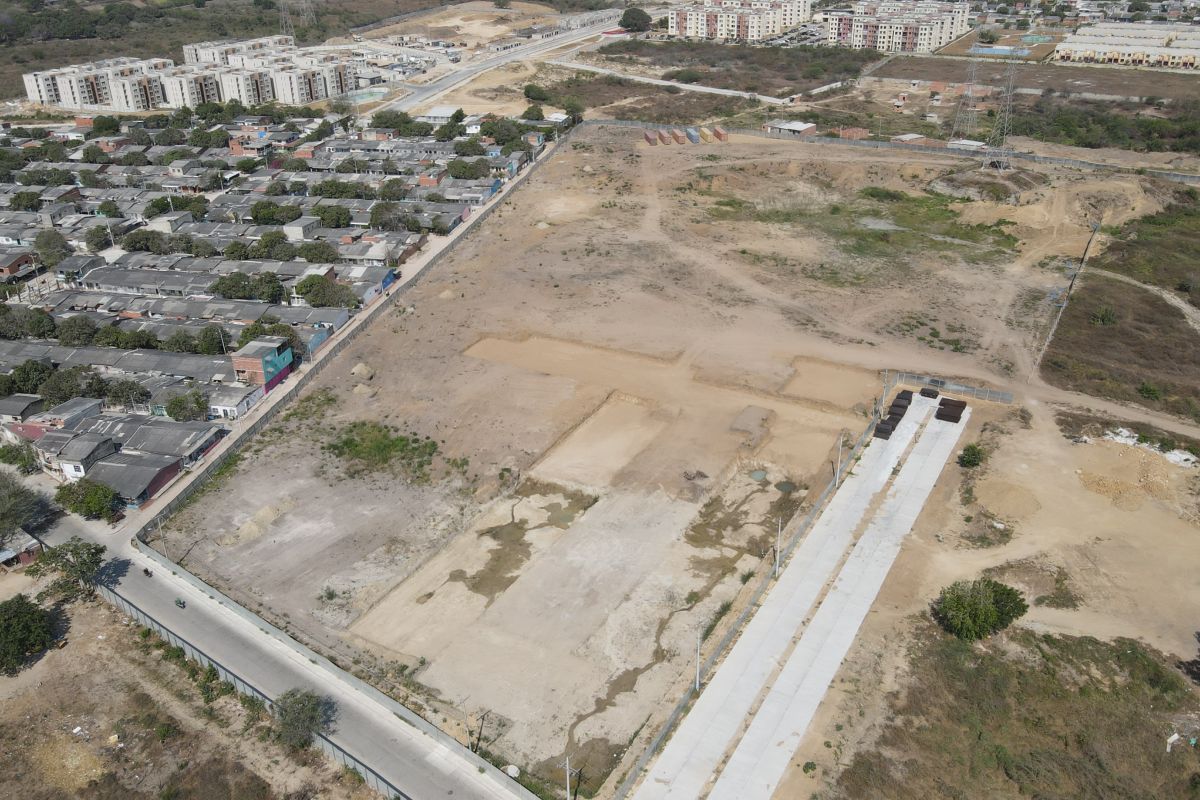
(180, 603)
(147, 573)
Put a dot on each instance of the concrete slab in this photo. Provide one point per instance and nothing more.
(692, 755)
(761, 758)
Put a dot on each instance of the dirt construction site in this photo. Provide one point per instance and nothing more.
(628, 378)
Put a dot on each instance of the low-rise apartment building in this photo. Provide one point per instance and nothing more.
(1134, 45)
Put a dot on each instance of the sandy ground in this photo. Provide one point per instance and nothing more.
(640, 387)
(498, 91)
(1118, 521)
(106, 716)
(476, 23)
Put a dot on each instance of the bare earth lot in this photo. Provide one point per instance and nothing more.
(108, 718)
(1062, 78)
(631, 373)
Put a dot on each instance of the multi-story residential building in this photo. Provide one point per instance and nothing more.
(898, 26)
(254, 72)
(219, 52)
(117, 84)
(738, 20)
(190, 86)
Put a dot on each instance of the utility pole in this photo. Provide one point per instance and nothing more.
(567, 767)
(837, 468)
(697, 660)
(778, 536)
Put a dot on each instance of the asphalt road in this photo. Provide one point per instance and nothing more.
(424, 93)
(416, 763)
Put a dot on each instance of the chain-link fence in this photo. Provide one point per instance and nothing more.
(372, 778)
(950, 387)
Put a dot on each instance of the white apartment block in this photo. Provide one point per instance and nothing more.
(253, 72)
(1134, 45)
(219, 52)
(115, 84)
(898, 26)
(738, 20)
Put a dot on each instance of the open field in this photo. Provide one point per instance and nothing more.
(773, 71)
(162, 30)
(108, 717)
(1090, 533)
(514, 501)
(476, 23)
(620, 98)
(1061, 78)
(1120, 341)
(1160, 250)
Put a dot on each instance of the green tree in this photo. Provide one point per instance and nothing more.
(321, 292)
(469, 147)
(972, 456)
(92, 154)
(109, 208)
(105, 126)
(76, 331)
(635, 20)
(246, 165)
(462, 168)
(394, 189)
(125, 393)
(574, 108)
(24, 201)
(300, 715)
(72, 566)
(266, 286)
(502, 4)
(25, 629)
(28, 376)
(973, 610)
(179, 342)
(188, 407)
(534, 113)
(51, 247)
(237, 251)
(67, 384)
(21, 456)
(99, 237)
(20, 506)
(318, 252)
(212, 341)
(536, 93)
(333, 216)
(234, 286)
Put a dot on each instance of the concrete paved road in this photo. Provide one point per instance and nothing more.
(411, 760)
(694, 752)
(425, 93)
(764, 752)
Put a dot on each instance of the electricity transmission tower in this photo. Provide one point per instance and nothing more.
(305, 12)
(965, 114)
(285, 20)
(998, 154)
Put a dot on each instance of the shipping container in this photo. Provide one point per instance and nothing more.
(706, 134)
(929, 392)
(651, 137)
(947, 402)
(693, 135)
(665, 137)
(720, 133)
(678, 135)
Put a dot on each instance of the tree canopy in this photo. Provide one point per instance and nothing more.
(72, 568)
(973, 610)
(300, 715)
(25, 629)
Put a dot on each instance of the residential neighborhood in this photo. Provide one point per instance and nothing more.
(177, 269)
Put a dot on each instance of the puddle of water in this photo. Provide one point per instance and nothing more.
(758, 475)
(786, 487)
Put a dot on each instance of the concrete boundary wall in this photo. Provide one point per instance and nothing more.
(337, 753)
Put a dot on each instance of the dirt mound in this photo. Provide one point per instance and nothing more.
(992, 185)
